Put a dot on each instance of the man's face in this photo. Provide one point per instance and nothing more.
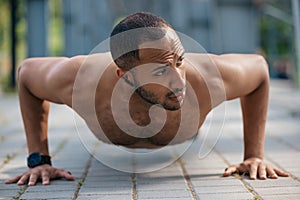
(160, 75)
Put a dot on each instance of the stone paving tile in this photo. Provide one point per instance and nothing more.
(160, 184)
(161, 187)
(102, 182)
(220, 189)
(112, 190)
(48, 194)
(217, 183)
(108, 184)
(8, 194)
(168, 198)
(106, 197)
(226, 196)
(282, 196)
(280, 182)
(278, 190)
(163, 193)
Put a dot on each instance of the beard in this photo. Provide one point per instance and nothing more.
(151, 98)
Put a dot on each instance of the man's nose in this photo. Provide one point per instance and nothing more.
(177, 79)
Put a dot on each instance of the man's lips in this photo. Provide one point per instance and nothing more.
(178, 96)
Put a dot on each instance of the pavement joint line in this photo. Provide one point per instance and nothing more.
(85, 173)
(20, 192)
(134, 190)
(187, 179)
(240, 178)
(133, 179)
(17, 152)
(60, 146)
(2, 138)
(57, 149)
(12, 156)
(282, 141)
(286, 143)
(278, 165)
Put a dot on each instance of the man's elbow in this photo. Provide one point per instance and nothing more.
(23, 70)
(263, 67)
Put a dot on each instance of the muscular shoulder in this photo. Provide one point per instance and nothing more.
(236, 74)
(241, 73)
(48, 77)
(206, 79)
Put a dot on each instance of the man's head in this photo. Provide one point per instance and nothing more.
(124, 44)
(145, 47)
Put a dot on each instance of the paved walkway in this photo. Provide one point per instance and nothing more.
(187, 178)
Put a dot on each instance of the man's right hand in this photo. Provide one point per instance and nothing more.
(43, 173)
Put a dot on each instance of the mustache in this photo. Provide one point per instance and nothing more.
(174, 91)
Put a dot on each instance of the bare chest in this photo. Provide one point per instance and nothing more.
(147, 129)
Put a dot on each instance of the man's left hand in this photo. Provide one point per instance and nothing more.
(256, 168)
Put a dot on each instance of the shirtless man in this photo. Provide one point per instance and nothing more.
(178, 83)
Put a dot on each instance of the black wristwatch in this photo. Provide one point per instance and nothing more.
(36, 159)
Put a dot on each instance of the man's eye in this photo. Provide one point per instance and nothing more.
(179, 62)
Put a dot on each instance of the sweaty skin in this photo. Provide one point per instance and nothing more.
(52, 79)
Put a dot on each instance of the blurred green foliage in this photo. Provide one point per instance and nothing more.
(4, 25)
(275, 36)
(5, 39)
(277, 40)
(55, 35)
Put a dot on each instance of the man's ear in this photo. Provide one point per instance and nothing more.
(120, 73)
(127, 76)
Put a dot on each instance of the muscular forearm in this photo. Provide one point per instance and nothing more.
(35, 117)
(255, 107)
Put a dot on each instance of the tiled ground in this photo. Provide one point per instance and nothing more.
(187, 178)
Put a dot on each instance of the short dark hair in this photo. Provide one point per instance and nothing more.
(124, 47)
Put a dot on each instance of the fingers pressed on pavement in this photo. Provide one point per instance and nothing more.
(67, 175)
(13, 180)
(262, 171)
(230, 170)
(281, 172)
(70, 177)
(23, 179)
(271, 173)
(33, 179)
(45, 178)
(253, 172)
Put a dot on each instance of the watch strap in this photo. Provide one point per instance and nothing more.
(46, 160)
(36, 159)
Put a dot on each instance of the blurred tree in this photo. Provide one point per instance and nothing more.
(4, 36)
(55, 36)
(7, 72)
(282, 38)
(276, 37)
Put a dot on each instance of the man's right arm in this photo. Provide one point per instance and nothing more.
(35, 92)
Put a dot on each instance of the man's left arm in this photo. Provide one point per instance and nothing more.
(246, 77)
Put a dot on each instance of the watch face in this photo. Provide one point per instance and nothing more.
(34, 159)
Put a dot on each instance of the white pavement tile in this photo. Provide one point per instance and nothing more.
(106, 197)
(226, 196)
(282, 196)
(163, 193)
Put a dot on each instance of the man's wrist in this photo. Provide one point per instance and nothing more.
(254, 156)
(36, 159)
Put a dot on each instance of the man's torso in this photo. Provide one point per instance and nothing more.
(105, 111)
